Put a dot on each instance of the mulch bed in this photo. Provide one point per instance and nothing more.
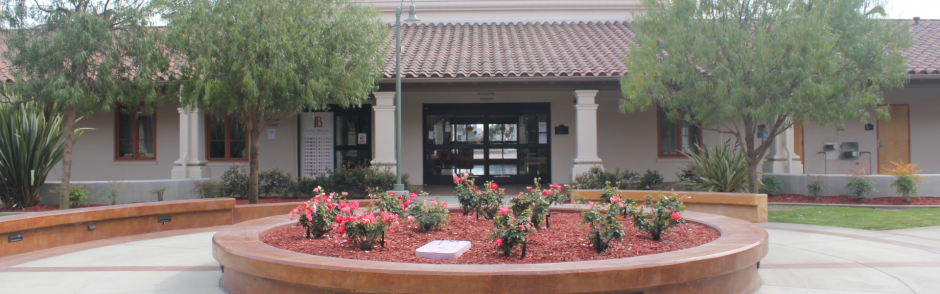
(563, 242)
(795, 198)
(39, 208)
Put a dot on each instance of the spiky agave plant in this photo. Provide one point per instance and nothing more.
(29, 148)
(719, 168)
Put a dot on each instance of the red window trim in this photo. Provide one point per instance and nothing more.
(659, 136)
(135, 138)
(228, 144)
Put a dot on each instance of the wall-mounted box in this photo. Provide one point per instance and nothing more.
(849, 150)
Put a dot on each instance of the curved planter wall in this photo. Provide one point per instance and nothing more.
(726, 265)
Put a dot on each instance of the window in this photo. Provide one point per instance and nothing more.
(227, 138)
(135, 134)
(676, 137)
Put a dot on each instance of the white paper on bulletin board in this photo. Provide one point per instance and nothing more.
(543, 127)
(317, 143)
(543, 138)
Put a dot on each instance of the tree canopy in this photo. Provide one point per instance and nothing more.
(81, 56)
(734, 65)
(268, 60)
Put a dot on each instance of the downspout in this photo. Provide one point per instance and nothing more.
(186, 137)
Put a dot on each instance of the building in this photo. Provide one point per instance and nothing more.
(507, 101)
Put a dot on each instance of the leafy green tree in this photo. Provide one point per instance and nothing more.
(733, 66)
(268, 60)
(81, 56)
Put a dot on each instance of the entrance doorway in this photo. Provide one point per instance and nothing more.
(504, 142)
(894, 138)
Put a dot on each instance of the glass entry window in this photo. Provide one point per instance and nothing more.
(506, 143)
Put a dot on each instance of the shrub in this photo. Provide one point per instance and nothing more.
(303, 186)
(365, 230)
(207, 189)
(77, 195)
(112, 190)
(596, 177)
(467, 193)
(664, 212)
(30, 146)
(490, 200)
(816, 187)
(274, 182)
(159, 192)
(860, 185)
(427, 217)
(687, 176)
(234, 181)
(397, 204)
(359, 180)
(719, 168)
(650, 180)
(535, 202)
(604, 223)
(771, 185)
(906, 181)
(318, 215)
(510, 231)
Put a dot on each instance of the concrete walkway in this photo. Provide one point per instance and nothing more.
(802, 259)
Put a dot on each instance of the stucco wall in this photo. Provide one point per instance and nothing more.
(924, 101)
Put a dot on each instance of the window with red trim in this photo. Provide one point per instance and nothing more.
(227, 138)
(135, 134)
(676, 137)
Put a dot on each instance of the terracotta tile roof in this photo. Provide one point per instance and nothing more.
(924, 55)
(440, 50)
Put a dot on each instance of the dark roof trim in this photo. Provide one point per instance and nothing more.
(924, 76)
(503, 79)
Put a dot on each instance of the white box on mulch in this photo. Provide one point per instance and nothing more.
(443, 249)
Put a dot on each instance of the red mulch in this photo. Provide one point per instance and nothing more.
(239, 201)
(793, 198)
(39, 208)
(563, 242)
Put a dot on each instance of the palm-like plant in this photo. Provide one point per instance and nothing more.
(719, 168)
(29, 148)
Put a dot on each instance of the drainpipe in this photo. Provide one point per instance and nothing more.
(186, 137)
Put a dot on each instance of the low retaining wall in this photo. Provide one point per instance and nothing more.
(796, 184)
(43, 230)
(138, 192)
(749, 207)
(726, 265)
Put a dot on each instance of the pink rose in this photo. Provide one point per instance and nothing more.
(444, 204)
(521, 228)
(317, 189)
(614, 199)
(339, 218)
(546, 192)
(498, 242)
(503, 210)
(528, 188)
(676, 216)
(493, 186)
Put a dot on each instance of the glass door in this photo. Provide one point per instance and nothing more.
(506, 143)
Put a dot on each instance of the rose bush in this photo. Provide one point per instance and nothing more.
(428, 216)
(319, 214)
(603, 222)
(510, 231)
(664, 212)
(365, 230)
(467, 194)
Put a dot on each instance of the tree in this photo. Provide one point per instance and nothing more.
(81, 56)
(732, 66)
(268, 60)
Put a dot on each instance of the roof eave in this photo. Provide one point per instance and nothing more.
(503, 79)
(924, 76)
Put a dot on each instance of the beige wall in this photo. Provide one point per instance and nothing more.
(924, 101)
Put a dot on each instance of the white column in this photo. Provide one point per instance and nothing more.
(777, 156)
(586, 132)
(192, 147)
(384, 131)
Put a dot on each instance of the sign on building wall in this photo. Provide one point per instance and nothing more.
(317, 153)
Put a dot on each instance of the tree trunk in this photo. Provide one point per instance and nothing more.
(69, 129)
(255, 137)
(752, 181)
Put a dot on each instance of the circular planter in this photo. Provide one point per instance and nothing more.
(726, 265)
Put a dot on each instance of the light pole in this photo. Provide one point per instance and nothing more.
(412, 17)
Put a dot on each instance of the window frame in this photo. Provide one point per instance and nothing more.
(659, 136)
(227, 140)
(135, 136)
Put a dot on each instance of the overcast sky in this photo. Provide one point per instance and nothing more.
(925, 9)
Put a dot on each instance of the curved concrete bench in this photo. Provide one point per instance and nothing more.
(726, 265)
(746, 206)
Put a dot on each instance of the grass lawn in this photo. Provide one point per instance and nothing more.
(856, 218)
(5, 214)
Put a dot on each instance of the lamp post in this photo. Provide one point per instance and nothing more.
(412, 17)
